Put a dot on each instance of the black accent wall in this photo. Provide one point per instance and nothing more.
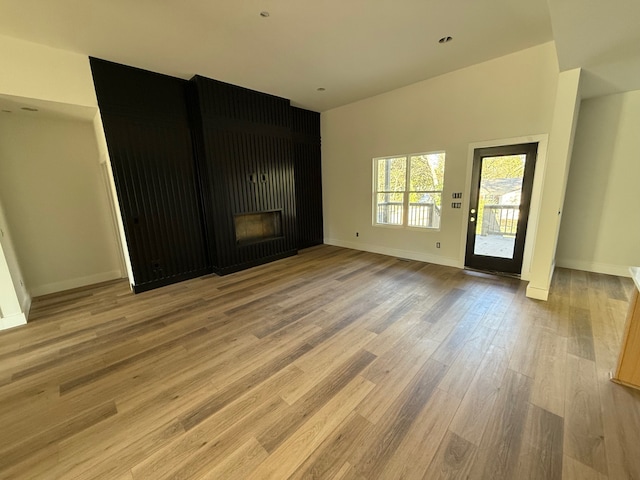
(305, 128)
(247, 163)
(151, 150)
(190, 156)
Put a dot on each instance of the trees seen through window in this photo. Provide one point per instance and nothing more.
(408, 190)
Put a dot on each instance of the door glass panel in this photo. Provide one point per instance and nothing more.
(499, 205)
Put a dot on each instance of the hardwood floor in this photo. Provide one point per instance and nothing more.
(334, 364)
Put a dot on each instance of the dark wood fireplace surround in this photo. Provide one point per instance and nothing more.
(211, 177)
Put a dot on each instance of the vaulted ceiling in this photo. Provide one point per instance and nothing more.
(601, 37)
(353, 49)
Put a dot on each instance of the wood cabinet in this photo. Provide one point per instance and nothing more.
(628, 369)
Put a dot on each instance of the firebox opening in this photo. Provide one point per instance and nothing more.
(258, 227)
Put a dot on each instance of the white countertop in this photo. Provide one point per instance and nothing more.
(635, 274)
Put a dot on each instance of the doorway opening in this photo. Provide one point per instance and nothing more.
(501, 186)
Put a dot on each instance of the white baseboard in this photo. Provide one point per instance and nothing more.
(75, 283)
(13, 321)
(394, 252)
(541, 293)
(537, 293)
(595, 267)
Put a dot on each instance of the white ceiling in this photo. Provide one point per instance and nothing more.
(15, 106)
(353, 48)
(602, 37)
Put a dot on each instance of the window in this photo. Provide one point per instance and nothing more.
(408, 190)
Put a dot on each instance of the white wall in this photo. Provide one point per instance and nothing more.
(36, 71)
(56, 203)
(33, 71)
(13, 265)
(600, 229)
(56, 78)
(509, 97)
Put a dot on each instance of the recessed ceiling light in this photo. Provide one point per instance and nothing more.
(445, 39)
(29, 109)
(321, 89)
(264, 14)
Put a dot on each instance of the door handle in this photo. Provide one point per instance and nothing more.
(472, 219)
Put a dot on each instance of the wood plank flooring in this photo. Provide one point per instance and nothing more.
(333, 364)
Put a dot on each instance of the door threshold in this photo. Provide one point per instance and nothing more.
(493, 272)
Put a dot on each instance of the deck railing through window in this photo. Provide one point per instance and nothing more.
(420, 214)
(500, 219)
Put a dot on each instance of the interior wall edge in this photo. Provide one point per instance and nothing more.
(13, 321)
(12, 262)
(537, 293)
(561, 138)
(26, 306)
(112, 197)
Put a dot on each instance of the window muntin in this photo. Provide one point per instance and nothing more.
(408, 190)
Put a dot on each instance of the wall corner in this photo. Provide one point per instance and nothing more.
(563, 127)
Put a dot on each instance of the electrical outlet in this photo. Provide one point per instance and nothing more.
(437, 244)
(357, 234)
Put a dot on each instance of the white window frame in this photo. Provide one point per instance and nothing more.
(406, 193)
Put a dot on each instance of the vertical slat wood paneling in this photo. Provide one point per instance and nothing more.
(308, 176)
(245, 133)
(151, 150)
(179, 192)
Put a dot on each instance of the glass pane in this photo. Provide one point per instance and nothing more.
(390, 208)
(499, 205)
(392, 174)
(427, 172)
(424, 209)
